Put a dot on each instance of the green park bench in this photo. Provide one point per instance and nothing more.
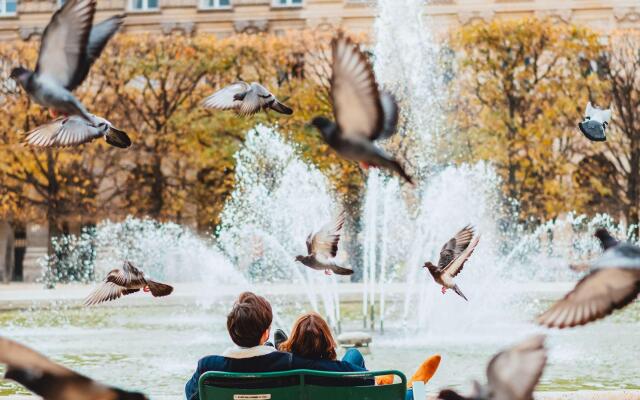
(301, 384)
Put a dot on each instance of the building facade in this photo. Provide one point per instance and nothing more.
(22, 19)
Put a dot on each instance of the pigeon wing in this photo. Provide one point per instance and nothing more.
(128, 276)
(251, 104)
(63, 132)
(324, 243)
(44, 135)
(513, 374)
(595, 296)
(354, 92)
(309, 243)
(16, 355)
(223, 99)
(98, 38)
(46, 378)
(63, 49)
(390, 115)
(455, 266)
(455, 246)
(107, 291)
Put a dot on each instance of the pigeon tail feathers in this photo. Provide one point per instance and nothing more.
(159, 289)
(459, 292)
(281, 108)
(342, 271)
(118, 138)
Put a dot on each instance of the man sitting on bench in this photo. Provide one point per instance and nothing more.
(249, 325)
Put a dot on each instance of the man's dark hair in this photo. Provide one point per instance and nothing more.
(249, 318)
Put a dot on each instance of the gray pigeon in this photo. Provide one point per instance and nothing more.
(453, 255)
(70, 44)
(613, 283)
(121, 282)
(595, 123)
(74, 131)
(512, 374)
(52, 381)
(245, 99)
(322, 247)
(362, 113)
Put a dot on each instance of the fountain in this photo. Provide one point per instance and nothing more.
(277, 202)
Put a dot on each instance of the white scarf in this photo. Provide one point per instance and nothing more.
(238, 352)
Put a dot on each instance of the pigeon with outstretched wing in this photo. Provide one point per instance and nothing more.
(453, 255)
(121, 282)
(613, 283)
(322, 247)
(512, 374)
(362, 113)
(245, 99)
(52, 381)
(74, 131)
(70, 44)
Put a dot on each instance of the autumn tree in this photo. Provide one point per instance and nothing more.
(613, 167)
(522, 91)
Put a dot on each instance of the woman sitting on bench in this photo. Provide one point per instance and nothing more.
(311, 338)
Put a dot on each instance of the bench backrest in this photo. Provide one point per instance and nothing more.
(299, 385)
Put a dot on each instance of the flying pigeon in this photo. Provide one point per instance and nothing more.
(52, 381)
(121, 282)
(322, 248)
(362, 113)
(512, 374)
(613, 283)
(74, 131)
(453, 255)
(245, 99)
(595, 123)
(70, 44)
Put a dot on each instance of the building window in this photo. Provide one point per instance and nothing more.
(143, 5)
(287, 3)
(215, 4)
(8, 7)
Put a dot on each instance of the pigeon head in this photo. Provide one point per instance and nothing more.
(324, 125)
(606, 240)
(429, 265)
(21, 75)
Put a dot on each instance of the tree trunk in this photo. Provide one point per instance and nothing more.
(633, 189)
(157, 188)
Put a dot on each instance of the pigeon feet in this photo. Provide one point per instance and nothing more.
(327, 272)
(365, 166)
(146, 289)
(444, 290)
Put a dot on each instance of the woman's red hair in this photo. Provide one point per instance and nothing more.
(311, 338)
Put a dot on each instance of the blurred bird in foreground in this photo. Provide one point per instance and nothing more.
(52, 381)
